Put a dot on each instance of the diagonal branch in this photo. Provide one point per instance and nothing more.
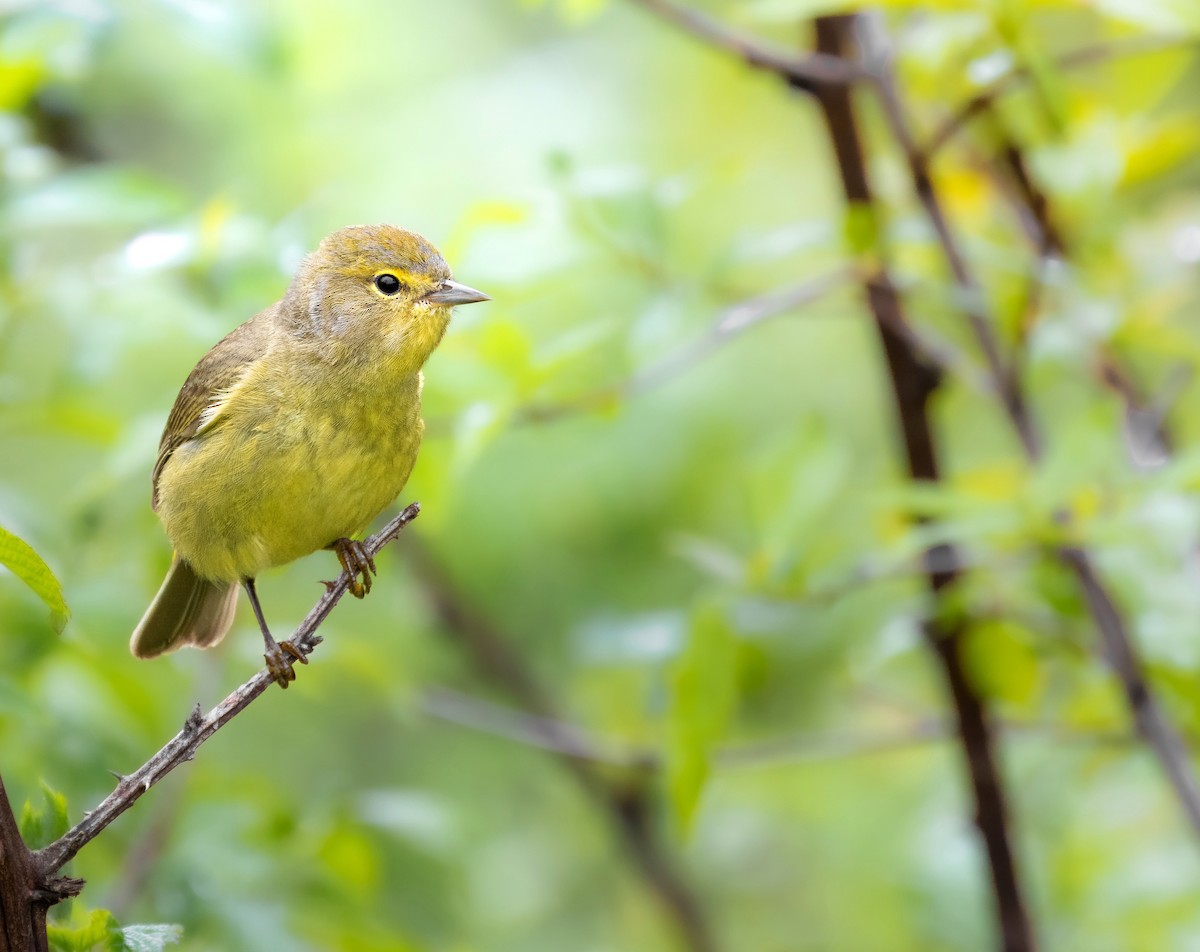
(624, 797)
(730, 322)
(200, 727)
(806, 71)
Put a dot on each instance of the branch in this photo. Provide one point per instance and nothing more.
(581, 743)
(973, 300)
(983, 100)
(1151, 721)
(807, 71)
(624, 799)
(913, 383)
(22, 920)
(200, 727)
(730, 322)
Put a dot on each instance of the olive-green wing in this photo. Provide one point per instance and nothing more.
(207, 386)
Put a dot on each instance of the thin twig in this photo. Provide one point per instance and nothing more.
(808, 71)
(531, 730)
(1151, 721)
(984, 99)
(200, 727)
(581, 743)
(972, 298)
(730, 322)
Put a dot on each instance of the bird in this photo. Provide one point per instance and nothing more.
(295, 431)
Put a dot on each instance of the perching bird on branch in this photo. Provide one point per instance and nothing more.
(295, 431)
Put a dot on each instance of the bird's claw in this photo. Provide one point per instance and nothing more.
(281, 656)
(357, 563)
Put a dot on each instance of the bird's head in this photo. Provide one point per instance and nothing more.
(377, 284)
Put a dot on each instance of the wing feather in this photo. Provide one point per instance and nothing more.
(197, 408)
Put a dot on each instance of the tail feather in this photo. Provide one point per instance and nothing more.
(188, 610)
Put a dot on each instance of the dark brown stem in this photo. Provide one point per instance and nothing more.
(1148, 716)
(625, 798)
(805, 71)
(22, 917)
(972, 297)
(913, 382)
(200, 727)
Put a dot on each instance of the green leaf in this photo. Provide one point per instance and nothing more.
(860, 229)
(19, 558)
(703, 693)
(1000, 661)
(100, 933)
(40, 827)
(151, 938)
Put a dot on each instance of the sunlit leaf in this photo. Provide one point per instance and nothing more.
(100, 932)
(1000, 661)
(703, 692)
(19, 558)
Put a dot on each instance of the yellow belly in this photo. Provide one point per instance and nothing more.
(272, 483)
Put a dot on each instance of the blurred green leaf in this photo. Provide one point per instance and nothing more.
(19, 558)
(703, 693)
(1000, 661)
(99, 933)
(42, 825)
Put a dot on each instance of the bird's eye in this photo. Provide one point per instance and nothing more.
(387, 283)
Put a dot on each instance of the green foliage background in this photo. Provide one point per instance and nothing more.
(715, 569)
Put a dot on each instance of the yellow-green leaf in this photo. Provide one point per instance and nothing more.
(19, 558)
(1000, 661)
(703, 692)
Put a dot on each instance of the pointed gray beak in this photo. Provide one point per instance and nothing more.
(451, 292)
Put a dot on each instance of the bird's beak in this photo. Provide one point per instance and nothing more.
(451, 292)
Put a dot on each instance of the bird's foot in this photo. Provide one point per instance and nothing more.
(357, 563)
(281, 656)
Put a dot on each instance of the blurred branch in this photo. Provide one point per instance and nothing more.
(983, 100)
(200, 727)
(973, 299)
(913, 383)
(730, 322)
(626, 801)
(572, 740)
(1151, 721)
(806, 71)
(531, 730)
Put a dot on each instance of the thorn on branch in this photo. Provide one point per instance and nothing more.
(58, 889)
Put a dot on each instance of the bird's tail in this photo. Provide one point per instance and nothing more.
(188, 610)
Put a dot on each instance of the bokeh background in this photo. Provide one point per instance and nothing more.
(647, 673)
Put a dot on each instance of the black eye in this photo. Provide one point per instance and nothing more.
(387, 283)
